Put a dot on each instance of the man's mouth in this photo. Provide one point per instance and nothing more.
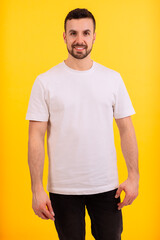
(79, 48)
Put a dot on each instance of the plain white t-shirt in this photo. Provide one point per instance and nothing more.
(79, 107)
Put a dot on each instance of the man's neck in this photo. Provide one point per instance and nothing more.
(79, 64)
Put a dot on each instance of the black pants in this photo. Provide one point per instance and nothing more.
(106, 219)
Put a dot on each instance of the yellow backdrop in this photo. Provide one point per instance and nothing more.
(128, 37)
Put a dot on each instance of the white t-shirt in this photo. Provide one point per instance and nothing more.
(79, 107)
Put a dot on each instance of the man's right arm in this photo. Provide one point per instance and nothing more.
(36, 155)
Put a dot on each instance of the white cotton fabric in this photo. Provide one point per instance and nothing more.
(79, 107)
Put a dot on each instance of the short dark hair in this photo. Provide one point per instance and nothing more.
(79, 13)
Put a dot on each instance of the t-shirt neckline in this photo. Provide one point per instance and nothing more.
(78, 71)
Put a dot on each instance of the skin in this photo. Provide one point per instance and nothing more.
(77, 35)
(41, 203)
(130, 152)
(79, 60)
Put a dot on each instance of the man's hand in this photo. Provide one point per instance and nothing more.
(40, 201)
(130, 187)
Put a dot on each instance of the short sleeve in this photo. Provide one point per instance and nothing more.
(123, 106)
(37, 107)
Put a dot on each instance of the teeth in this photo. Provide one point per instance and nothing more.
(79, 48)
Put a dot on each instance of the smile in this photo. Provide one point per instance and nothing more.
(79, 48)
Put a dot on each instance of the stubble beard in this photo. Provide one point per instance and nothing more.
(79, 55)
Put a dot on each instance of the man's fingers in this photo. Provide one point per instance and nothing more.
(40, 214)
(43, 216)
(131, 200)
(49, 205)
(131, 192)
(118, 192)
(127, 201)
(41, 205)
(46, 212)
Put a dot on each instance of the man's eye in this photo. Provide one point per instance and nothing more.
(86, 33)
(73, 33)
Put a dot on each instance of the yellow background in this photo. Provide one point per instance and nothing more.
(128, 41)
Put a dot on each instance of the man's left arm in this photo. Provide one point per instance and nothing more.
(130, 152)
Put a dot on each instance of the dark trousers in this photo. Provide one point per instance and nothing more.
(106, 219)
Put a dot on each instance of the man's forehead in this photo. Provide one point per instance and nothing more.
(80, 24)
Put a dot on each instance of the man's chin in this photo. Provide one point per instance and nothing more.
(78, 56)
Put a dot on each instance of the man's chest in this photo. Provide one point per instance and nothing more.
(72, 94)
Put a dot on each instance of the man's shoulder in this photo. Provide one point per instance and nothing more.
(53, 70)
(107, 70)
(50, 74)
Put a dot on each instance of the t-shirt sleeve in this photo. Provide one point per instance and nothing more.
(123, 106)
(38, 106)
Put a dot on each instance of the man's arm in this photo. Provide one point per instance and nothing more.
(130, 152)
(36, 155)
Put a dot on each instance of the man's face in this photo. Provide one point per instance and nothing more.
(79, 37)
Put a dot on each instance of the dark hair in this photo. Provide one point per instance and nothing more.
(79, 13)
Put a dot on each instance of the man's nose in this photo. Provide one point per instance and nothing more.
(79, 39)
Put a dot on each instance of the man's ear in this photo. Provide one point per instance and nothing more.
(64, 36)
(94, 37)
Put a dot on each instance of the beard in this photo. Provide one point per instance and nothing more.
(79, 54)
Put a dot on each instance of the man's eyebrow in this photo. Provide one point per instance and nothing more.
(86, 30)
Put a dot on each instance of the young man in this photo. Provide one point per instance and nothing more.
(75, 101)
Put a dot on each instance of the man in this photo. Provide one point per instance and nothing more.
(75, 101)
